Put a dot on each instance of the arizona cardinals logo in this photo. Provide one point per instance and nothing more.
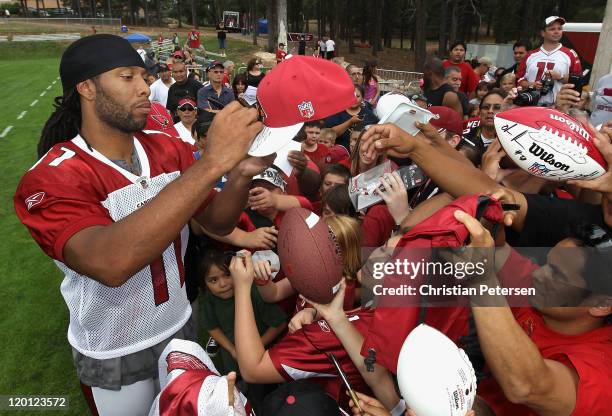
(159, 117)
(306, 109)
(35, 199)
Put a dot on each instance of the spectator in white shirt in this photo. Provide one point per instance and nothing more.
(187, 111)
(159, 89)
(330, 47)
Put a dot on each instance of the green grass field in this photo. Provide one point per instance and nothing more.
(36, 357)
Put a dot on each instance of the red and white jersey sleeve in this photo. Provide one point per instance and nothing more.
(191, 385)
(74, 187)
(303, 354)
(562, 59)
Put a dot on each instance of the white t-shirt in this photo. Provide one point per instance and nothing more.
(322, 46)
(561, 59)
(602, 107)
(159, 91)
(184, 133)
(330, 45)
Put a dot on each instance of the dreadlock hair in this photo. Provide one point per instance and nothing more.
(63, 124)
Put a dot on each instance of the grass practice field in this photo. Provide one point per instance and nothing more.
(35, 358)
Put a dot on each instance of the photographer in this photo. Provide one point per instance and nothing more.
(545, 69)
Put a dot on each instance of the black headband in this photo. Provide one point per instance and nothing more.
(94, 55)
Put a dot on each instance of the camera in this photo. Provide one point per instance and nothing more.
(531, 95)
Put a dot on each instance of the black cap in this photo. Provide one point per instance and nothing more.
(93, 55)
(214, 64)
(300, 398)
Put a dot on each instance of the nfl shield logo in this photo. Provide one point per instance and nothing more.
(538, 169)
(306, 110)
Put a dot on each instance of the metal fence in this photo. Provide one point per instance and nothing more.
(98, 21)
(397, 81)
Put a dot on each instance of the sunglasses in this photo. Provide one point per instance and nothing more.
(187, 107)
(487, 107)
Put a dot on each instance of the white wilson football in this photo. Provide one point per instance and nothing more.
(435, 377)
(549, 144)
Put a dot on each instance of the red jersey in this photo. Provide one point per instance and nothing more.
(561, 59)
(280, 55)
(318, 155)
(193, 39)
(469, 78)
(590, 354)
(74, 187)
(303, 354)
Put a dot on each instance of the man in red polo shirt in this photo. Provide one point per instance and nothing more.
(552, 358)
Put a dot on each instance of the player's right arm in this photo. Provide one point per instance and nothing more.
(111, 252)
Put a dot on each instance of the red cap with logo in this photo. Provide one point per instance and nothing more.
(297, 90)
(447, 119)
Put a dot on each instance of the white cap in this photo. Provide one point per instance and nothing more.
(401, 111)
(435, 377)
(551, 19)
(273, 176)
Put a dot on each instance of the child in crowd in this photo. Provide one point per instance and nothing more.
(507, 82)
(327, 137)
(218, 307)
(311, 145)
(474, 111)
(481, 90)
(333, 175)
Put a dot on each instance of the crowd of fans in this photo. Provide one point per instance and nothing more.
(543, 358)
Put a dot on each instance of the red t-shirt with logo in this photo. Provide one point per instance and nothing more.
(303, 354)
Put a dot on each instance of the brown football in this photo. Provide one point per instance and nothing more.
(309, 255)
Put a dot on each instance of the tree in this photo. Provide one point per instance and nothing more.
(194, 14)
(377, 32)
(254, 20)
(179, 11)
(272, 16)
(443, 34)
(146, 12)
(282, 22)
(420, 50)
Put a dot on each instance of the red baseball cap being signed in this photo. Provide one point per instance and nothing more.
(297, 90)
